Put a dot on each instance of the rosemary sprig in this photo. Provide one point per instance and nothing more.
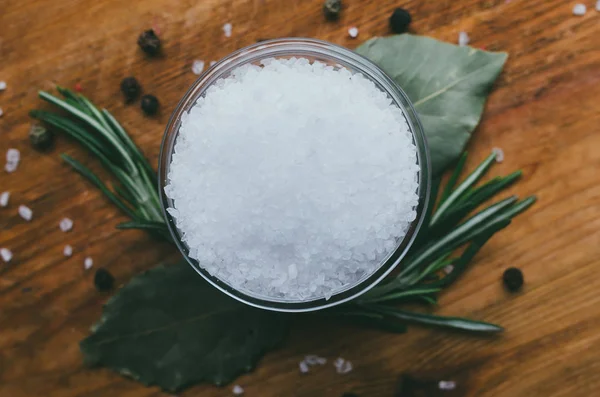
(134, 191)
(444, 230)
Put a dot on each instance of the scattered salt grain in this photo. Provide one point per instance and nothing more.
(499, 154)
(6, 254)
(598, 5)
(4, 197)
(2, 85)
(198, 67)
(25, 212)
(227, 29)
(448, 269)
(342, 366)
(68, 250)
(311, 359)
(463, 39)
(10, 167)
(1, 112)
(88, 263)
(65, 224)
(303, 367)
(213, 63)
(447, 385)
(238, 390)
(353, 32)
(579, 9)
(13, 156)
(345, 213)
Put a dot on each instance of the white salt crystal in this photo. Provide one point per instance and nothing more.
(68, 250)
(25, 212)
(341, 140)
(353, 32)
(65, 224)
(447, 385)
(227, 29)
(4, 197)
(238, 390)
(2, 85)
(463, 38)
(88, 263)
(198, 67)
(10, 167)
(598, 5)
(303, 367)
(342, 366)
(6, 254)
(499, 154)
(13, 156)
(448, 269)
(579, 9)
(1, 112)
(311, 359)
(213, 63)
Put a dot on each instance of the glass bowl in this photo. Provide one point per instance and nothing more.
(314, 50)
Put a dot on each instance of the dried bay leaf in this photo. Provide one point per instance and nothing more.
(168, 327)
(447, 84)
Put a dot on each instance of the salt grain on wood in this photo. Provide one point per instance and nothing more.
(65, 224)
(25, 212)
(238, 390)
(303, 366)
(6, 254)
(345, 145)
(68, 250)
(198, 67)
(88, 263)
(579, 9)
(311, 359)
(463, 39)
(598, 5)
(1, 112)
(10, 167)
(353, 32)
(499, 154)
(13, 156)
(2, 85)
(446, 385)
(342, 366)
(4, 197)
(227, 28)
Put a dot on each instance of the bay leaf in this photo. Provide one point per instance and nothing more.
(447, 84)
(168, 327)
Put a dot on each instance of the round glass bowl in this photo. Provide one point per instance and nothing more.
(314, 50)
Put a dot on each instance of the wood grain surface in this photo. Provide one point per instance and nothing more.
(544, 113)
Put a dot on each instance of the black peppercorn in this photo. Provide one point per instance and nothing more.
(130, 88)
(103, 280)
(149, 104)
(332, 9)
(513, 279)
(400, 20)
(40, 137)
(149, 42)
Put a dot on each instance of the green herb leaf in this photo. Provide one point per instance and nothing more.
(170, 328)
(447, 84)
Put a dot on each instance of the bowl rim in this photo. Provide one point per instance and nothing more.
(292, 47)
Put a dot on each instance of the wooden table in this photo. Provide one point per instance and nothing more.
(544, 113)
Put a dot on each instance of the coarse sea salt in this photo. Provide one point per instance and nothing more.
(6, 254)
(4, 197)
(293, 179)
(598, 5)
(227, 28)
(2, 85)
(197, 67)
(65, 224)
(25, 212)
(238, 390)
(342, 366)
(463, 39)
(88, 263)
(499, 154)
(303, 366)
(13, 155)
(68, 250)
(353, 32)
(579, 9)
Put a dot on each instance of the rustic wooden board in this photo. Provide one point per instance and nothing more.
(544, 113)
